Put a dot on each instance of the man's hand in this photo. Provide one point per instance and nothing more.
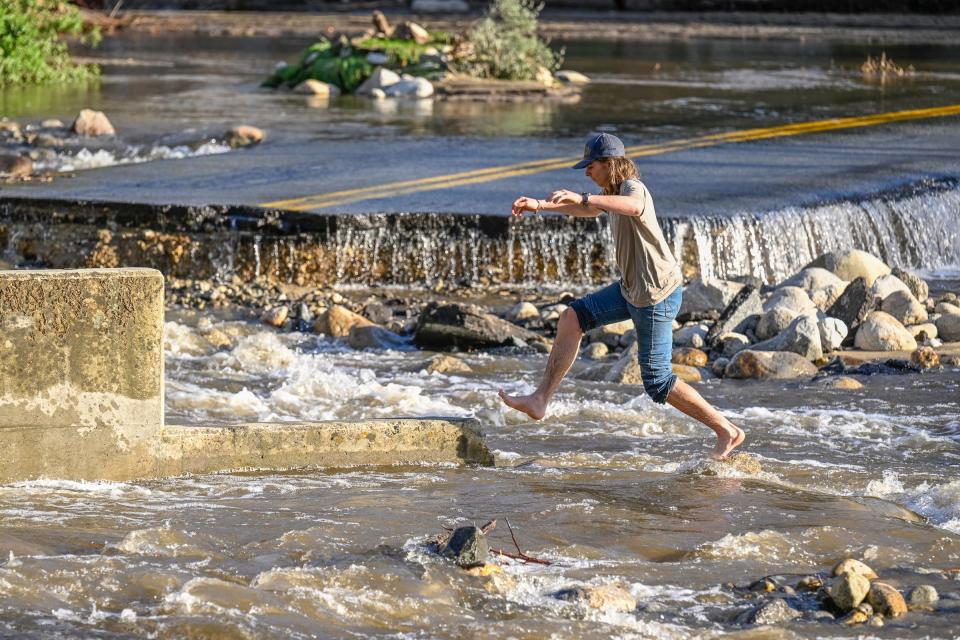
(523, 203)
(565, 196)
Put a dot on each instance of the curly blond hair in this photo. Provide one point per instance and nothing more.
(621, 169)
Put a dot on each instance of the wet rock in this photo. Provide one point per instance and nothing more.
(775, 611)
(523, 311)
(378, 313)
(763, 585)
(923, 332)
(818, 615)
(801, 337)
(946, 307)
(886, 600)
(605, 597)
(880, 331)
(793, 298)
(918, 287)
(854, 566)
(92, 123)
(244, 136)
(690, 336)
(595, 351)
(381, 79)
(853, 305)
(218, 339)
(687, 373)
(371, 336)
(467, 546)
(875, 621)
(832, 333)
(377, 94)
(702, 296)
(904, 307)
(858, 615)
(764, 365)
(690, 357)
(276, 316)
(610, 334)
(852, 264)
(337, 321)
(948, 327)
(413, 88)
(886, 285)
(15, 166)
(809, 583)
(447, 364)
(736, 315)
(567, 76)
(311, 87)
(848, 590)
(925, 357)
(923, 595)
(730, 344)
(824, 298)
(812, 278)
(840, 382)
(463, 326)
(551, 313)
(774, 321)
(719, 366)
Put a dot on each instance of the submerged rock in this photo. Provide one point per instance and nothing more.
(840, 382)
(276, 316)
(774, 611)
(763, 365)
(447, 364)
(886, 600)
(848, 590)
(413, 88)
(605, 597)
(312, 87)
(467, 546)
(809, 583)
(880, 331)
(371, 336)
(852, 264)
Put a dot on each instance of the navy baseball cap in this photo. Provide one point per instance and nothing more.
(601, 145)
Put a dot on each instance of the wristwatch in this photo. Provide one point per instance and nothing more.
(585, 199)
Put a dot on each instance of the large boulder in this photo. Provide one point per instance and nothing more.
(882, 332)
(744, 305)
(801, 337)
(381, 79)
(904, 307)
(832, 334)
(853, 305)
(703, 296)
(337, 321)
(886, 285)
(447, 326)
(852, 264)
(793, 298)
(412, 88)
(812, 278)
(824, 298)
(92, 124)
(773, 322)
(918, 287)
(764, 365)
(948, 327)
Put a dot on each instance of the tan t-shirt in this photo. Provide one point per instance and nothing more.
(648, 270)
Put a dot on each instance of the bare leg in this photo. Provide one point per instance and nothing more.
(689, 401)
(562, 355)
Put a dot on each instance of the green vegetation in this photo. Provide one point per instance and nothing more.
(505, 44)
(31, 51)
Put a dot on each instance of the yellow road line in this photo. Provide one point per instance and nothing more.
(491, 174)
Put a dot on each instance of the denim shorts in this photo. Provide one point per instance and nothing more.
(654, 325)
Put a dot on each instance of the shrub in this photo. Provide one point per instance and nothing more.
(31, 51)
(505, 44)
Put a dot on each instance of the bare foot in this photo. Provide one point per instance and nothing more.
(727, 442)
(532, 405)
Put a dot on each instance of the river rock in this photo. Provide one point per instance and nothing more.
(925, 358)
(862, 613)
(845, 383)
(276, 316)
(566, 76)
(852, 264)
(730, 344)
(809, 583)
(551, 313)
(218, 339)
(595, 351)
(523, 311)
(848, 590)
(945, 306)
(626, 370)
(923, 332)
(463, 326)
(886, 600)
(412, 88)
(12, 166)
(918, 287)
(703, 296)
(904, 307)
(923, 595)
(736, 316)
(412, 31)
(886, 285)
(875, 621)
(381, 79)
(948, 327)
(378, 313)
(244, 136)
(687, 373)
(763, 365)
(337, 321)
(92, 123)
(853, 305)
(801, 337)
(793, 298)
(447, 364)
(719, 366)
(852, 565)
(824, 298)
(882, 332)
(371, 336)
(690, 357)
(10, 128)
(605, 597)
(812, 278)
(311, 87)
(690, 336)
(774, 321)
(775, 611)
(832, 333)
(467, 546)
(610, 334)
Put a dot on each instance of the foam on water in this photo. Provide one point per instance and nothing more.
(939, 503)
(87, 159)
